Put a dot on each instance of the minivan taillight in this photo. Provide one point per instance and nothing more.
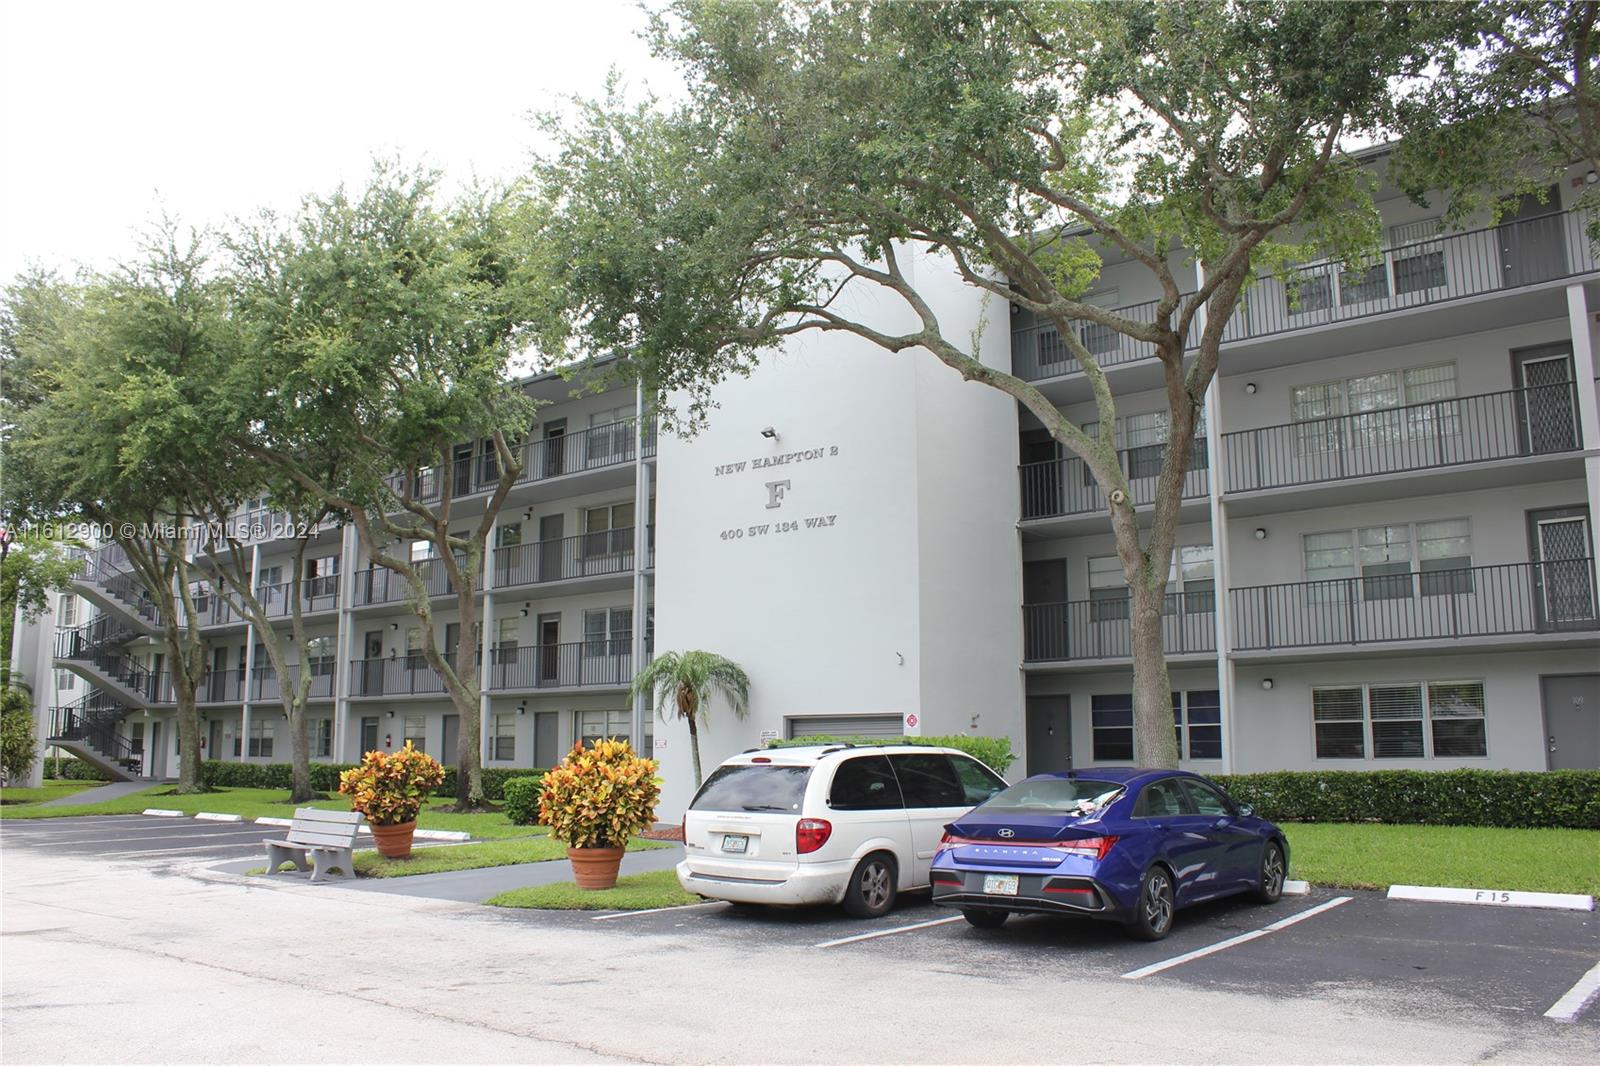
(810, 834)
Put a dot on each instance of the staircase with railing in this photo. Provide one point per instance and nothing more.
(88, 729)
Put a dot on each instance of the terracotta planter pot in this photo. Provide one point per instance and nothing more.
(595, 867)
(394, 841)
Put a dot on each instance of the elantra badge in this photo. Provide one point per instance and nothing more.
(1007, 834)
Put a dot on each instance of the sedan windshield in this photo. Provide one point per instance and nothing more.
(767, 787)
(1077, 796)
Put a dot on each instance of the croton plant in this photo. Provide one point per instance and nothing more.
(391, 789)
(599, 795)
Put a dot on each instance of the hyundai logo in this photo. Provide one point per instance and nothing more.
(1007, 834)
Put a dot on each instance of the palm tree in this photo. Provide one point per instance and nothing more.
(687, 681)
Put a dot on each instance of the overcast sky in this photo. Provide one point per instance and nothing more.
(110, 111)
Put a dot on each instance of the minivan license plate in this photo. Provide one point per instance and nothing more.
(1000, 884)
(739, 844)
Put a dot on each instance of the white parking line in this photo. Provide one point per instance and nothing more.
(1233, 941)
(887, 932)
(657, 910)
(146, 838)
(1579, 996)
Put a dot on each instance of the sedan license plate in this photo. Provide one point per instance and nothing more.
(736, 844)
(1000, 884)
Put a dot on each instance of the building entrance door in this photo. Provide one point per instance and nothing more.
(1563, 573)
(1548, 407)
(1571, 721)
(549, 649)
(1533, 245)
(214, 741)
(369, 735)
(452, 739)
(1049, 734)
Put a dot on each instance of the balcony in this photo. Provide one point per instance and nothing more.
(377, 585)
(264, 684)
(600, 554)
(586, 664)
(1063, 487)
(1414, 274)
(1550, 598)
(317, 595)
(408, 675)
(1515, 424)
(597, 448)
(1099, 630)
(221, 686)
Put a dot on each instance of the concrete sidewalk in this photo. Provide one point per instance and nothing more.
(112, 790)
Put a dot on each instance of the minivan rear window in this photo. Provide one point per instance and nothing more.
(1078, 795)
(759, 787)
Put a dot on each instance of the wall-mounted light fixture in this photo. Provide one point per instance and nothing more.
(1250, 388)
(1261, 534)
(1266, 684)
(769, 433)
(394, 626)
(522, 708)
(525, 610)
(1590, 178)
(391, 714)
(527, 516)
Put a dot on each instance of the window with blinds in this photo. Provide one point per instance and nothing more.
(1417, 256)
(1372, 400)
(1409, 720)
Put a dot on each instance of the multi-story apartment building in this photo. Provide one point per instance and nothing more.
(1386, 553)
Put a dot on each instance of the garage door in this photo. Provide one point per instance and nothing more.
(845, 725)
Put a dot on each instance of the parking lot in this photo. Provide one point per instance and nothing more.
(137, 837)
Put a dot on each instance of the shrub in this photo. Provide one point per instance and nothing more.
(993, 752)
(391, 789)
(1562, 799)
(521, 798)
(599, 796)
(215, 773)
(16, 734)
(63, 768)
(494, 779)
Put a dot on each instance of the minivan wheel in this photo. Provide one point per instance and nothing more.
(871, 891)
(1152, 915)
(1269, 886)
(984, 919)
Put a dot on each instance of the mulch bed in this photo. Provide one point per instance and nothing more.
(665, 832)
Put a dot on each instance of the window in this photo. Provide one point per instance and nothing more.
(1371, 401)
(607, 631)
(1401, 720)
(507, 633)
(508, 535)
(319, 656)
(602, 725)
(505, 737)
(66, 680)
(421, 550)
(1142, 439)
(865, 784)
(1363, 284)
(1199, 715)
(1207, 800)
(1108, 589)
(414, 657)
(1191, 582)
(322, 576)
(1310, 289)
(1111, 717)
(321, 738)
(1383, 554)
(416, 732)
(610, 434)
(262, 731)
(1418, 261)
(68, 612)
(977, 780)
(1161, 799)
(759, 787)
(1096, 338)
(608, 530)
(928, 781)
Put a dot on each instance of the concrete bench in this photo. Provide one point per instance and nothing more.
(318, 841)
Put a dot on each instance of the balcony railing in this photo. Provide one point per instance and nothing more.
(1419, 273)
(376, 584)
(1479, 601)
(316, 594)
(593, 663)
(1470, 429)
(1100, 629)
(265, 685)
(221, 686)
(1066, 487)
(585, 555)
(405, 675)
(91, 639)
(590, 449)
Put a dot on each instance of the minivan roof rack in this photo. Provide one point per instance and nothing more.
(837, 747)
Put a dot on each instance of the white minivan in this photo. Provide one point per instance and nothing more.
(827, 824)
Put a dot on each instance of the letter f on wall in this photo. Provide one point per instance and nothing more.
(775, 493)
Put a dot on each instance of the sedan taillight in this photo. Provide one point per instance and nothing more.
(1095, 847)
(810, 834)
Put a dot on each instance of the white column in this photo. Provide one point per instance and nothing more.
(1219, 547)
(1583, 367)
(641, 557)
(249, 663)
(486, 633)
(343, 643)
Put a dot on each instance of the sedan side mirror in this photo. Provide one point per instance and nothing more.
(1246, 811)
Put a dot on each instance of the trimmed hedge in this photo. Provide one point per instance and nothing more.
(993, 752)
(325, 776)
(66, 768)
(521, 799)
(1556, 799)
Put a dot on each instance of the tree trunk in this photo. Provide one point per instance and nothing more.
(467, 699)
(189, 778)
(1154, 743)
(694, 750)
(299, 751)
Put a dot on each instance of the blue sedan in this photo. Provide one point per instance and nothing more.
(1128, 845)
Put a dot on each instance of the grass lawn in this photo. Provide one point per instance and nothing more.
(640, 892)
(270, 803)
(1377, 856)
(16, 797)
(432, 860)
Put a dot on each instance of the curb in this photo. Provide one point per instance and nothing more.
(161, 812)
(1492, 897)
(210, 816)
(1297, 888)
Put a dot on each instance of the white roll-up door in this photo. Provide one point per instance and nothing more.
(845, 725)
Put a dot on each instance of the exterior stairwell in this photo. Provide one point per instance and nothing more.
(103, 581)
(93, 651)
(88, 729)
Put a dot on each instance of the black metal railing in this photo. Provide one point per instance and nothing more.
(221, 686)
(1066, 487)
(106, 568)
(1470, 429)
(317, 594)
(585, 555)
(91, 639)
(1418, 273)
(99, 734)
(375, 584)
(585, 664)
(591, 449)
(265, 685)
(1478, 601)
(1100, 629)
(403, 675)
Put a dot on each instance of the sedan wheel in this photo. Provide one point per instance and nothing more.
(1152, 917)
(1269, 887)
(871, 892)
